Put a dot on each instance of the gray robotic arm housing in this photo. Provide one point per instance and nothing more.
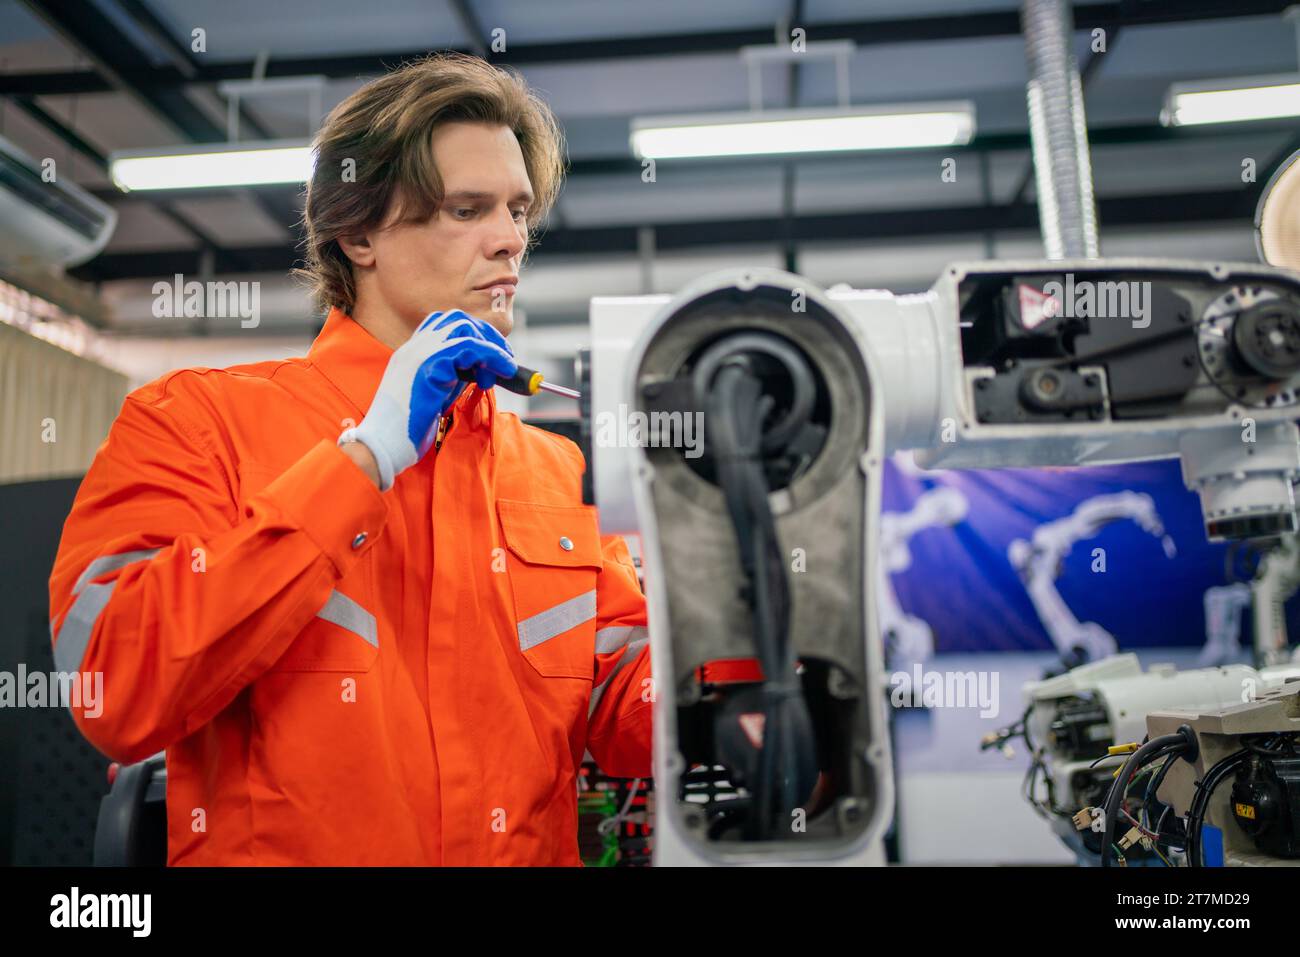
(819, 462)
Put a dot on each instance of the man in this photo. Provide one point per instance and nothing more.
(366, 614)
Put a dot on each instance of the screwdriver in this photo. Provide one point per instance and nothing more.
(525, 381)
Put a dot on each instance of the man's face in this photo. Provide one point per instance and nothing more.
(459, 258)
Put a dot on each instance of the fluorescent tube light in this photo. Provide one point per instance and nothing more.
(211, 165)
(1232, 101)
(913, 126)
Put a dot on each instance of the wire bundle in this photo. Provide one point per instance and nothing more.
(736, 410)
(1182, 743)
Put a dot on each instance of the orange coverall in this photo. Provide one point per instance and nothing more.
(342, 676)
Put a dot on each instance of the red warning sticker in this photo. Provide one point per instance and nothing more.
(752, 725)
(1036, 307)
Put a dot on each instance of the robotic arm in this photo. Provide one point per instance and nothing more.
(908, 639)
(1275, 581)
(1039, 561)
(761, 540)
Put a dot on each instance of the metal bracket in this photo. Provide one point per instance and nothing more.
(757, 56)
(313, 85)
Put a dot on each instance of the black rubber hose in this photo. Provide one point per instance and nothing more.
(1201, 803)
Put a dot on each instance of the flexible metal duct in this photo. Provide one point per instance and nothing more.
(1058, 132)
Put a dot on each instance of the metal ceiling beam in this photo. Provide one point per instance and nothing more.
(470, 25)
(158, 32)
(1167, 209)
(970, 26)
(69, 137)
(181, 57)
(81, 25)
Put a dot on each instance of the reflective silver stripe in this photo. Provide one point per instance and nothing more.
(74, 634)
(110, 563)
(343, 611)
(633, 650)
(616, 636)
(557, 620)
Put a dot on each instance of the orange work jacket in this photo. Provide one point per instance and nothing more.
(339, 675)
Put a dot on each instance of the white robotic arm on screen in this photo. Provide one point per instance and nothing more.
(1223, 605)
(1275, 581)
(760, 525)
(1039, 561)
(908, 639)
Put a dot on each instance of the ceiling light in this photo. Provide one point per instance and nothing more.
(212, 165)
(910, 126)
(1232, 101)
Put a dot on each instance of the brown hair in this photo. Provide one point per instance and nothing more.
(385, 129)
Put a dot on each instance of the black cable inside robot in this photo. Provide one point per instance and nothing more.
(743, 434)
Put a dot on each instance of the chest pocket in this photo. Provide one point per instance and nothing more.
(344, 633)
(553, 560)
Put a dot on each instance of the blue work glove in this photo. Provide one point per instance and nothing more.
(420, 385)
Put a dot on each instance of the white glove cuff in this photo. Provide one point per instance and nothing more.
(386, 471)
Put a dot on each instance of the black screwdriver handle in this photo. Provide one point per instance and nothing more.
(525, 381)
